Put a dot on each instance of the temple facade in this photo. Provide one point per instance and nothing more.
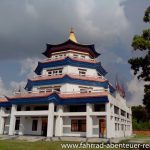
(69, 96)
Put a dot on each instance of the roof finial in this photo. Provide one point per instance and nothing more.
(72, 35)
(71, 30)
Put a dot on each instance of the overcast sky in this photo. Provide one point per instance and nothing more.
(27, 25)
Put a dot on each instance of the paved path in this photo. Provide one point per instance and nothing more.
(78, 139)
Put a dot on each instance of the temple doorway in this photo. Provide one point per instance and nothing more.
(102, 128)
(44, 127)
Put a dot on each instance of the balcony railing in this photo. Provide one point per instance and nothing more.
(63, 57)
(72, 74)
(52, 90)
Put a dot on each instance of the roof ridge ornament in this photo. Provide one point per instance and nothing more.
(72, 36)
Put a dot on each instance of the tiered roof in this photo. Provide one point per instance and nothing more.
(64, 98)
(70, 44)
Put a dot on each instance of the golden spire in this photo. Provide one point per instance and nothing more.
(72, 35)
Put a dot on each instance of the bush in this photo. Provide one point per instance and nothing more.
(140, 125)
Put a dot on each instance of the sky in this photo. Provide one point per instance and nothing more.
(27, 25)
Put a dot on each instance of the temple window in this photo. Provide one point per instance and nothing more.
(18, 108)
(49, 88)
(57, 71)
(82, 72)
(34, 125)
(78, 125)
(41, 108)
(116, 110)
(128, 115)
(75, 56)
(57, 88)
(17, 124)
(82, 56)
(28, 108)
(43, 89)
(77, 108)
(99, 107)
(84, 89)
(123, 113)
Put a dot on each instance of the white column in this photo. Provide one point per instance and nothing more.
(1, 120)
(22, 125)
(12, 120)
(50, 120)
(108, 122)
(89, 120)
(59, 121)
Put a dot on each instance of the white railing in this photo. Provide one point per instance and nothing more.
(80, 58)
(52, 90)
(73, 74)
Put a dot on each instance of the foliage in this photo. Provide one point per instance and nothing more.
(141, 65)
(140, 125)
(139, 113)
(140, 118)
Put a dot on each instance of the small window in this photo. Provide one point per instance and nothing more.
(34, 125)
(116, 110)
(116, 127)
(123, 113)
(28, 108)
(82, 72)
(82, 90)
(18, 108)
(78, 125)
(75, 56)
(82, 56)
(17, 124)
(99, 107)
(56, 89)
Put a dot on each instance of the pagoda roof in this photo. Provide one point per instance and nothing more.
(61, 79)
(70, 61)
(71, 45)
(4, 102)
(61, 95)
(3, 99)
(59, 98)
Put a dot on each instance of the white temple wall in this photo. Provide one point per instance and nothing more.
(28, 126)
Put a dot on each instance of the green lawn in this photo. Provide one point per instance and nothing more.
(43, 145)
(24, 145)
(142, 136)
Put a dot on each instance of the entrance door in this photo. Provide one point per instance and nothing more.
(102, 127)
(44, 127)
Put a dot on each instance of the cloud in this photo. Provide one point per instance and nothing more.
(31, 10)
(105, 20)
(27, 71)
(110, 57)
(3, 90)
(28, 66)
(136, 89)
(28, 25)
(16, 86)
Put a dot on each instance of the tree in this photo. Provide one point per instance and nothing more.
(141, 65)
(139, 113)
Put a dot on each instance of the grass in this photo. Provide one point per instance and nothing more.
(43, 145)
(142, 136)
(24, 145)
